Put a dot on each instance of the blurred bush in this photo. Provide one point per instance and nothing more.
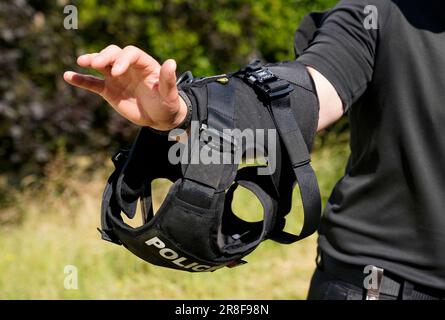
(41, 116)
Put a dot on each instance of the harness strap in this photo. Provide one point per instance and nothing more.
(248, 178)
(299, 156)
(275, 93)
(108, 202)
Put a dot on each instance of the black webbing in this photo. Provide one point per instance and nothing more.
(299, 156)
(109, 205)
(260, 186)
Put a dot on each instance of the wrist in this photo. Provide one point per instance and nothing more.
(182, 120)
(180, 115)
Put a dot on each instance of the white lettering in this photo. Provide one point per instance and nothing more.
(168, 254)
(155, 242)
(175, 258)
(201, 267)
(185, 310)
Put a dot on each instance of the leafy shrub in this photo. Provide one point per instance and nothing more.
(40, 115)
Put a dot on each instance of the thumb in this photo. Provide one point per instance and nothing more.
(167, 81)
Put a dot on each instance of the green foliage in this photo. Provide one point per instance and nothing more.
(204, 36)
(40, 114)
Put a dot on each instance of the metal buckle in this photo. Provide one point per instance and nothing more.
(185, 78)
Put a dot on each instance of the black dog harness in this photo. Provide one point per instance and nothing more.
(195, 228)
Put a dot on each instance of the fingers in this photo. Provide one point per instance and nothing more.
(118, 59)
(106, 57)
(90, 83)
(100, 61)
(167, 81)
(85, 60)
(134, 57)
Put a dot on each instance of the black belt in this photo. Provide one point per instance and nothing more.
(389, 284)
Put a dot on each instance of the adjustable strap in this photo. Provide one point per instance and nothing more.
(299, 156)
(275, 92)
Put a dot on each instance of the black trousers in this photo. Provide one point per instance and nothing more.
(326, 285)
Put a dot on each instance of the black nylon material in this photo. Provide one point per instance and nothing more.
(195, 223)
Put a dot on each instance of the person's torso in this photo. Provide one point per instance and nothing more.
(388, 209)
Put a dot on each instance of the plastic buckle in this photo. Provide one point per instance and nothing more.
(260, 75)
(267, 84)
